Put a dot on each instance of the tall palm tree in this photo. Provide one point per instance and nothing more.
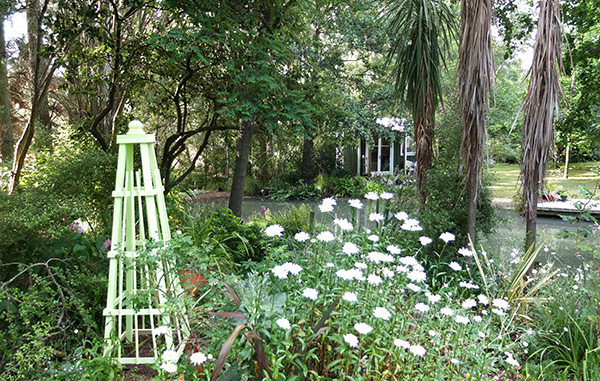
(476, 73)
(540, 103)
(419, 30)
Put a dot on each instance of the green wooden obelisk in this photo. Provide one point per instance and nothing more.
(137, 292)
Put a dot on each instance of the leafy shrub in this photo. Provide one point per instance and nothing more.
(294, 219)
(568, 331)
(58, 189)
(302, 191)
(48, 308)
(225, 236)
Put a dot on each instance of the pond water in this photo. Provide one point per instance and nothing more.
(510, 233)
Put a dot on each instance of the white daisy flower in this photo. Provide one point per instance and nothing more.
(462, 319)
(280, 271)
(168, 367)
(325, 236)
(374, 279)
(422, 307)
(362, 328)
(501, 303)
(447, 237)
(401, 343)
(455, 266)
(467, 304)
(413, 287)
(350, 296)
(170, 356)
(343, 223)
(301, 236)
(386, 196)
(409, 261)
(372, 196)
(197, 358)
(161, 330)
(283, 323)
(326, 208)
(417, 350)
(465, 252)
(373, 238)
(483, 299)
(411, 225)
(382, 313)
(393, 249)
(310, 293)
(416, 276)
(329, 201)
(356, 204)
(376, 217)
(401, 216)
(425, 240)
(274, 230)
(292, 268)
(351, 339)
(350, 248)
(447, 311)
(377, 257)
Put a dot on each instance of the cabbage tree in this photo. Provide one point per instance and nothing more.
(420, 32)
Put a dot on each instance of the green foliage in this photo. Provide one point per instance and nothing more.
(447, 204)
(567, 336)
(224, 237)
(49, 308)
(58, 189)
(294, 219)
(580, 125)
(85, 363)
(302, 191)
(422, 31)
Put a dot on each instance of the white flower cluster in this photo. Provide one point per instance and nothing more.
(282, 271)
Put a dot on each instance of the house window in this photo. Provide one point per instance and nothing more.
(377, 159)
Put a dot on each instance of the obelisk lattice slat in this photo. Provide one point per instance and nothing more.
(137, 294)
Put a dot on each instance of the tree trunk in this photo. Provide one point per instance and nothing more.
(308, 168)
(424, 145)
(243, 148)
(531, 212)
(476, 71)
(37, 62)
(472, 180)
(262, 158)
(567, 154)
(6, 133)
(41, 75)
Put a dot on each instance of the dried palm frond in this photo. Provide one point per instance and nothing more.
(476, 74)
(541, 102)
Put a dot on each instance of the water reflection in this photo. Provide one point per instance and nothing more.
(509, 235)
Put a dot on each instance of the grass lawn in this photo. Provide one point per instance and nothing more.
(505, 181)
